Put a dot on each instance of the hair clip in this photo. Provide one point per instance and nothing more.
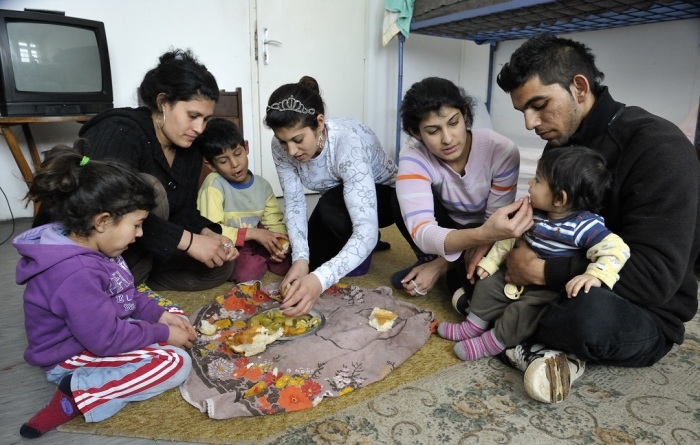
(291, 104)
(84, 161)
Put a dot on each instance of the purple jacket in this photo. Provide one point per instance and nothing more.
(78, 299)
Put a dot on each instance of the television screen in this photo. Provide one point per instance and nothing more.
(51, 64)
(54, 58)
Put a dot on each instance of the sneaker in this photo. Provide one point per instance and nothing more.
(362, 269)
(460, 301)
(548, 373)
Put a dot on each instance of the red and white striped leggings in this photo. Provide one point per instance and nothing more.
(102, 386)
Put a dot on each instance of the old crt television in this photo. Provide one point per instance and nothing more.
(52, 65)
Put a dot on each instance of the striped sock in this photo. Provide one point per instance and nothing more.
(469, 328)
(487, 345)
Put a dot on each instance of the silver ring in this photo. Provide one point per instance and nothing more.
(228, 246)
(415, 288)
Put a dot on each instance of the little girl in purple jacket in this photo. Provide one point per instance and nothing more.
(99, 339)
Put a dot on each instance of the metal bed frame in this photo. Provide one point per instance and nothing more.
(493, 21)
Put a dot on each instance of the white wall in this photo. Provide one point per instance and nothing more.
(655, 66)
(138, 32)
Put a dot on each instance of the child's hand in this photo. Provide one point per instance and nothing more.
(179, 322)
(271, 241)
(482, 273)
(471, 260)
(180, 337)
(583, 281)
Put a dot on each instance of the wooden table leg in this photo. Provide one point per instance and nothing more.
(32, 146)
(27, 173)
(20, 160)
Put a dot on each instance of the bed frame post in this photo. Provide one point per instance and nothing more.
(398, 99)
(489, 86)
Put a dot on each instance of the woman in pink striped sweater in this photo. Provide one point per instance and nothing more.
(455, 187)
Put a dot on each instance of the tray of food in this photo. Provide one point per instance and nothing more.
(292, 327)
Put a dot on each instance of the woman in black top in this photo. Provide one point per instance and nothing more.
(179, 249)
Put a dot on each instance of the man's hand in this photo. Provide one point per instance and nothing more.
(523, 266)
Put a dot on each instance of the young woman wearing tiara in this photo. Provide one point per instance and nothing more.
(344, 161)
(100, 340)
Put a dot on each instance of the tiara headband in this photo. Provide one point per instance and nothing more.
(291, 104)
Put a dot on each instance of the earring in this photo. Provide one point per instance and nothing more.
(321, 141)
(160, 120)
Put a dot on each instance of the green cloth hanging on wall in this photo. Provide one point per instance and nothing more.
(397, 18)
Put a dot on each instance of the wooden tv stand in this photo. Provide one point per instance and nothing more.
(24, 121)
(229, 107)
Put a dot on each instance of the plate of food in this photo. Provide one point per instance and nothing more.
(293, 327)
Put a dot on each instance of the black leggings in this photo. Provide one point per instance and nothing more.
(330, 226)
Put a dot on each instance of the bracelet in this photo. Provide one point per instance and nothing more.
(190, 244)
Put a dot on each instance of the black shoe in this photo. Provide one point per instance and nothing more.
(382, 245)
(401, 274)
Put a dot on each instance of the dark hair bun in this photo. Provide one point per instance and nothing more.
(310, 82)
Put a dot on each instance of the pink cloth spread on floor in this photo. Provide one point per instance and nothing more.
(292, 375)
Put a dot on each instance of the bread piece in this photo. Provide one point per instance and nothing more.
(381, 319)
(252, 340)
(285, 290)
(207, 328)
(284, 246)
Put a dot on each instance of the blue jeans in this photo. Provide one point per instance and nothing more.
(604, 328)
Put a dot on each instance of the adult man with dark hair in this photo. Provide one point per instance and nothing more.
(653, 206)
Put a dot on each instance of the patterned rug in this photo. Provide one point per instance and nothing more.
(434, 398)
(485, 402)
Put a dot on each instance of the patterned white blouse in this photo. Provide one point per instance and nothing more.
(354, 157)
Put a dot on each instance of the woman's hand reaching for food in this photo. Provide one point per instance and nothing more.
(300, 289)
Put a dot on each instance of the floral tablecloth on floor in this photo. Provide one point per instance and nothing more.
(346, 354)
